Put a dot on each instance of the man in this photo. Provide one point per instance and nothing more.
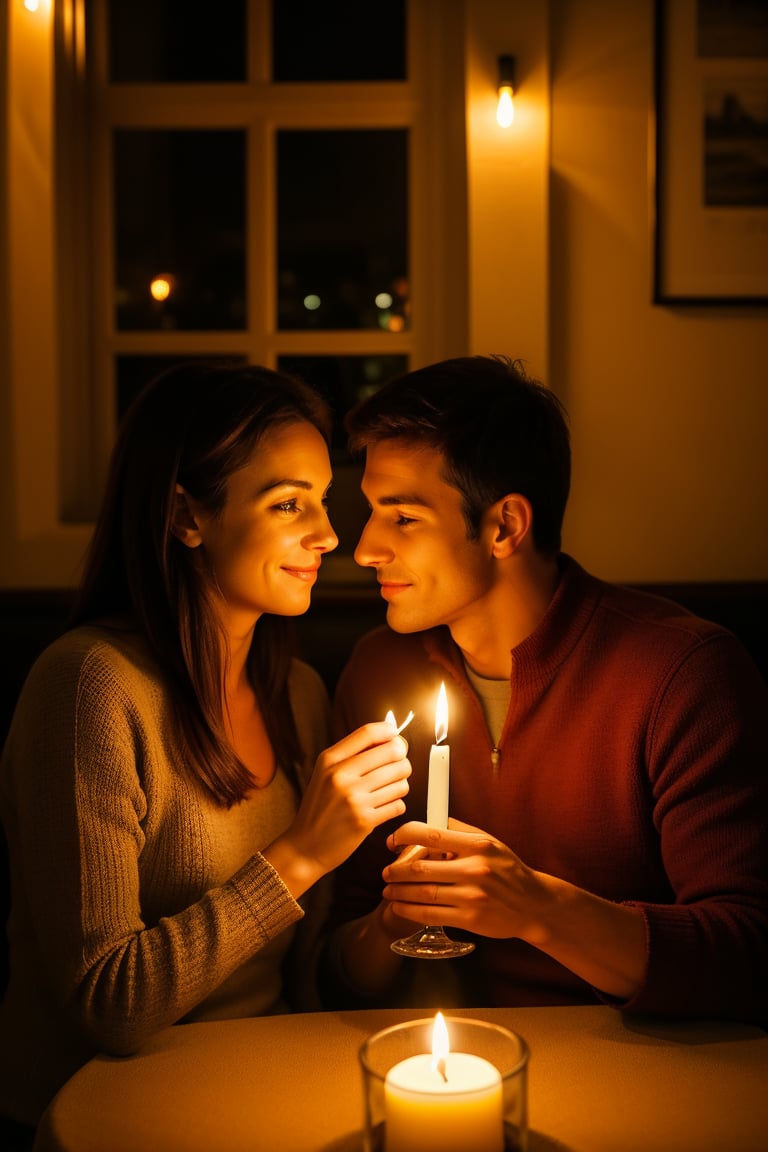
(608, 794)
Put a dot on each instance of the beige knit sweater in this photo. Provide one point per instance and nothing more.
(137, 902)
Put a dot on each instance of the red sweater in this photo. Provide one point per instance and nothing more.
(632, 763)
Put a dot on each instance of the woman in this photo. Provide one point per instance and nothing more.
(157, 790)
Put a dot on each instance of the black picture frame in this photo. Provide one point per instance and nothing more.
(711, 153)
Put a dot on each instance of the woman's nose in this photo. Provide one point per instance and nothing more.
(325, 540)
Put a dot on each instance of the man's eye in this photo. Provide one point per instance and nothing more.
(402, 521)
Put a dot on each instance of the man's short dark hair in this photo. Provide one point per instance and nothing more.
(499, 431)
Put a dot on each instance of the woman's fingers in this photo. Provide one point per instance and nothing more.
(375, 742)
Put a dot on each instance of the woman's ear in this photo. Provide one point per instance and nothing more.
(183, 521)
(513, 517)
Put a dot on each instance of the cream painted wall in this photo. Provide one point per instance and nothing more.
(508, 183)
(669, 407)
(38, 551)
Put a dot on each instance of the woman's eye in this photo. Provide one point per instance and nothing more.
(287, 506)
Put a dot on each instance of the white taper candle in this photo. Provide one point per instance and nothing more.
(439, 766)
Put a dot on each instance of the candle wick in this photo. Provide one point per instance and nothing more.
(441, 1070)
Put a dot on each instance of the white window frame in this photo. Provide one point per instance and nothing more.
(59, 276)
(261, 109)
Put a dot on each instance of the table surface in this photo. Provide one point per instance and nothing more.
(598, 1082)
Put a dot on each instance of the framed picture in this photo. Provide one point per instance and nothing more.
(711, 226)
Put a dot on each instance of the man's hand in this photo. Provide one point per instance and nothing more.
(462, 877)
(465, 878)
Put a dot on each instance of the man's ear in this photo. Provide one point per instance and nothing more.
(513, 518)
(183, 522)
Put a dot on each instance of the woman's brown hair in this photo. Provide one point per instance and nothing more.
(194, 425)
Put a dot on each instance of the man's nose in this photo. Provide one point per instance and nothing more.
(370, 552)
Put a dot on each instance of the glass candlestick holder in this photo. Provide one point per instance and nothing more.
(432, 943)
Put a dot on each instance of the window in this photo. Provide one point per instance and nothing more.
(257, 180)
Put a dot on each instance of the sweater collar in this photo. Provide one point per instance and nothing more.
(536, 659)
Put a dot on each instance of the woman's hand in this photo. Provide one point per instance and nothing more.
(357, 784)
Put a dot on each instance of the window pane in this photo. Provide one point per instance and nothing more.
(342, 229)
(180, 229)
(133, 372)
(344, 380)
(173, 41)
(338, 40)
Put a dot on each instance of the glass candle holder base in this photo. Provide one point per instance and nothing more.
(432, 943)
(512, 1140)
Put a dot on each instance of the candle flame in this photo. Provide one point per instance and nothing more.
(441, 716)
(440, 1047)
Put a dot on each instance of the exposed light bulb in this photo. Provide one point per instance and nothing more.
(505, 109)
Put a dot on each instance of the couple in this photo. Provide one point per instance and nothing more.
(173, 799)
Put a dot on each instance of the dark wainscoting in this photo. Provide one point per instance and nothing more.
(31, 618)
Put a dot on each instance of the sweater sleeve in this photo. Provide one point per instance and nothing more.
(311, 707)
(82, 762)
(706, 755)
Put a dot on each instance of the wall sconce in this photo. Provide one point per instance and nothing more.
(505, 110)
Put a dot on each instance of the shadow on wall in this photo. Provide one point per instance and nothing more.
(31, 618)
